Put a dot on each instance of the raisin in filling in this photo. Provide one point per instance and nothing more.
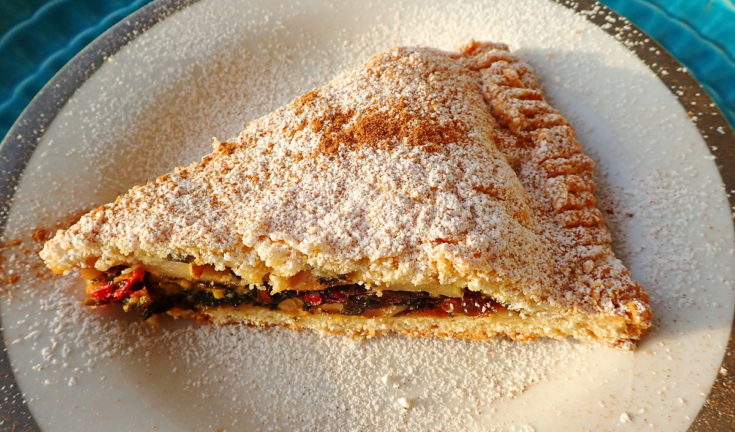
(151, 295)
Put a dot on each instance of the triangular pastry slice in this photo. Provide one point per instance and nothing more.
(425, 193)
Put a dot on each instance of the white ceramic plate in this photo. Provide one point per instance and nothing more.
(205, 71)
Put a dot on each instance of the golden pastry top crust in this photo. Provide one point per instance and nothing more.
(420, 167)
(541, 147)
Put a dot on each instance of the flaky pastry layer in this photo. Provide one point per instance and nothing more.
(606, 330)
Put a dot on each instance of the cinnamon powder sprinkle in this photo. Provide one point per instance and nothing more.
(10, 280)
(40, 235)
(383, 130)
(10, 243)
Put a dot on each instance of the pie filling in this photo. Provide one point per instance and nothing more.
(149, 294)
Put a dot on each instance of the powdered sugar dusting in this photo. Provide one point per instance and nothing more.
(303, 380)
(270, 198)
(395, 173)
(77, 366)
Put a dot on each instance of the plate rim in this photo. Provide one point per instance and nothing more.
(20, 142)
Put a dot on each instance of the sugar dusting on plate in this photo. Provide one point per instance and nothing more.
(306, 378)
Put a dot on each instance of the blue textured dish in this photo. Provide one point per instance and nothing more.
(35, 47)
(700, 34)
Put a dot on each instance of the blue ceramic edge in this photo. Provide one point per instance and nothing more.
(48, 15)
(702, 55)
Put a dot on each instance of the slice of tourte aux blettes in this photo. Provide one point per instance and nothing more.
(428, 193)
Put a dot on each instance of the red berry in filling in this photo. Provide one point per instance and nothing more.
(313, 299)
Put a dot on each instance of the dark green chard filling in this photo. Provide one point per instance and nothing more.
(150, 295)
